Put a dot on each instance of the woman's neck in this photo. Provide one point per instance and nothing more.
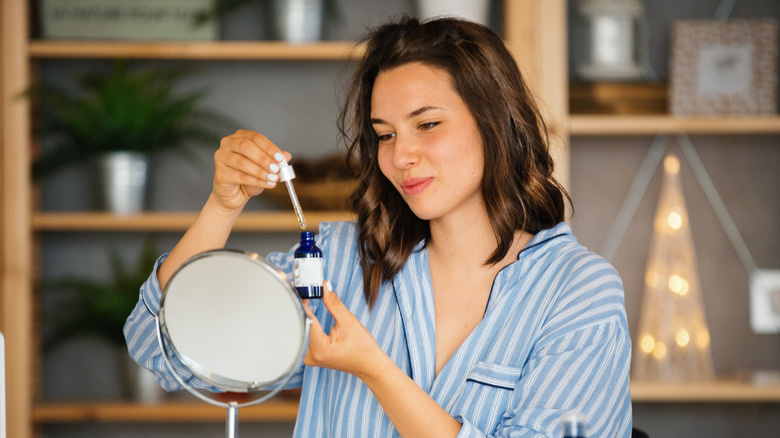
(469, 242)
(466, 242)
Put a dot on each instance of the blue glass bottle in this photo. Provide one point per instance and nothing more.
(307, 268)
(573, 425)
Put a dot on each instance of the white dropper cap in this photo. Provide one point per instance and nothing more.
(286, 172)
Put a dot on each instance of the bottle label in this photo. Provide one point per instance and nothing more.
(307, 272)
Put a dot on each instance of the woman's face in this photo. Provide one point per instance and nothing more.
(429, 145)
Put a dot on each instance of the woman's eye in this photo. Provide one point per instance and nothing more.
(385, 137)
(428, 125)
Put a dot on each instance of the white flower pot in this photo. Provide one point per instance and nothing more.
(141, 385)
(474, 10)
(122, 182)
(298, 21)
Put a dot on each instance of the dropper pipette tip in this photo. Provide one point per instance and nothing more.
(286, 174)
(296, 204)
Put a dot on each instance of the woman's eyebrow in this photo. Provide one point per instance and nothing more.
(421, 110)
(415, 113)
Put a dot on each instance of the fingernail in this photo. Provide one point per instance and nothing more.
(328, 286)
(279, 157)
(272, 177)
(274, 168)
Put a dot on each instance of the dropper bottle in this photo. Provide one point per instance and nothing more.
(307, 267)
(573, 425)
(286, 175)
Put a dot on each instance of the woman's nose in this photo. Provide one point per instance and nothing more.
(406, 152)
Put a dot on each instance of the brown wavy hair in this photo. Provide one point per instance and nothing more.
(518, 188)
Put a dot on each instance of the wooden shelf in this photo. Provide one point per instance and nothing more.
(218, 50)
(723, 391)
(596, 125)
(274, 410)
(249, 221)
(285, 409)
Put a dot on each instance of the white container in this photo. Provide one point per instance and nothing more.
(611, 43)
(122, 182)
(474, 10)
(299, 21)
(125, 20)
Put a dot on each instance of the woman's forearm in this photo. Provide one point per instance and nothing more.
(210, 230)
(413, 412)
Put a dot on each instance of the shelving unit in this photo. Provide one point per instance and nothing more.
(592, 125)
(286, 409)
(250, 221)
(273, 410)
(241, 50)
(720, 391)
(535, 30)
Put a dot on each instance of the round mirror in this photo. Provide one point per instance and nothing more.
(236, 323)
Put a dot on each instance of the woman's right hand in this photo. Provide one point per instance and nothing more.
(245, 164)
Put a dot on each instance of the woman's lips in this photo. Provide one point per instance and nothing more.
(414, 186)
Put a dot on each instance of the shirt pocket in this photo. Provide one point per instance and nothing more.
(488, 393)
(495, 375)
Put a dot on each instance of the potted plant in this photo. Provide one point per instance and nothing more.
(100, 308)
(120, 118)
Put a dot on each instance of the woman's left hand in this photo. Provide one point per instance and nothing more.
(349, 347)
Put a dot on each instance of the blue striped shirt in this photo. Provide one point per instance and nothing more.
(553, 339)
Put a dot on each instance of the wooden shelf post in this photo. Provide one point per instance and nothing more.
(15, 205)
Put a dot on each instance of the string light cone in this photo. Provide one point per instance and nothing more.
(673, 342)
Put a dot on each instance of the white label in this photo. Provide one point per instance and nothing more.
(307, 272)
(126, 19)
(725, 69)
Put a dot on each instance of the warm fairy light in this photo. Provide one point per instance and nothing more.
(674, 220)
(647, 344)
(703, 339)
(678, 284)
(682, 337)
(653, 279)
(673, 344)
(659, 351)
(672, 164)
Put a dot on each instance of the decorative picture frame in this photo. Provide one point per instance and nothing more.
(723, 67)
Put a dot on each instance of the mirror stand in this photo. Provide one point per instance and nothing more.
(231, 420)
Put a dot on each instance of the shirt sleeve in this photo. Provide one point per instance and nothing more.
(142, 342)
(585, 371)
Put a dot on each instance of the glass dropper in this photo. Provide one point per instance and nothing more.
(286, 174)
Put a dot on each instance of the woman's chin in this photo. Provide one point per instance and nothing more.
(423, 212)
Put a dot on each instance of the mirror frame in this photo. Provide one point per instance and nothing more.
(221, 382)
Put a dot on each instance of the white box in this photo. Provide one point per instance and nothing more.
(125, 20)
(765, 301)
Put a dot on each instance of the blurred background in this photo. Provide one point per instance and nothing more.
(295, 104)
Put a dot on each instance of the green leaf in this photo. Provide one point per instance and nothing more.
(100, 307)
(123, 110)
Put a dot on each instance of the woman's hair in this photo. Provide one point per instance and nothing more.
(518, 188)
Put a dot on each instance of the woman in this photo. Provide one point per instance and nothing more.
(465, 306)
